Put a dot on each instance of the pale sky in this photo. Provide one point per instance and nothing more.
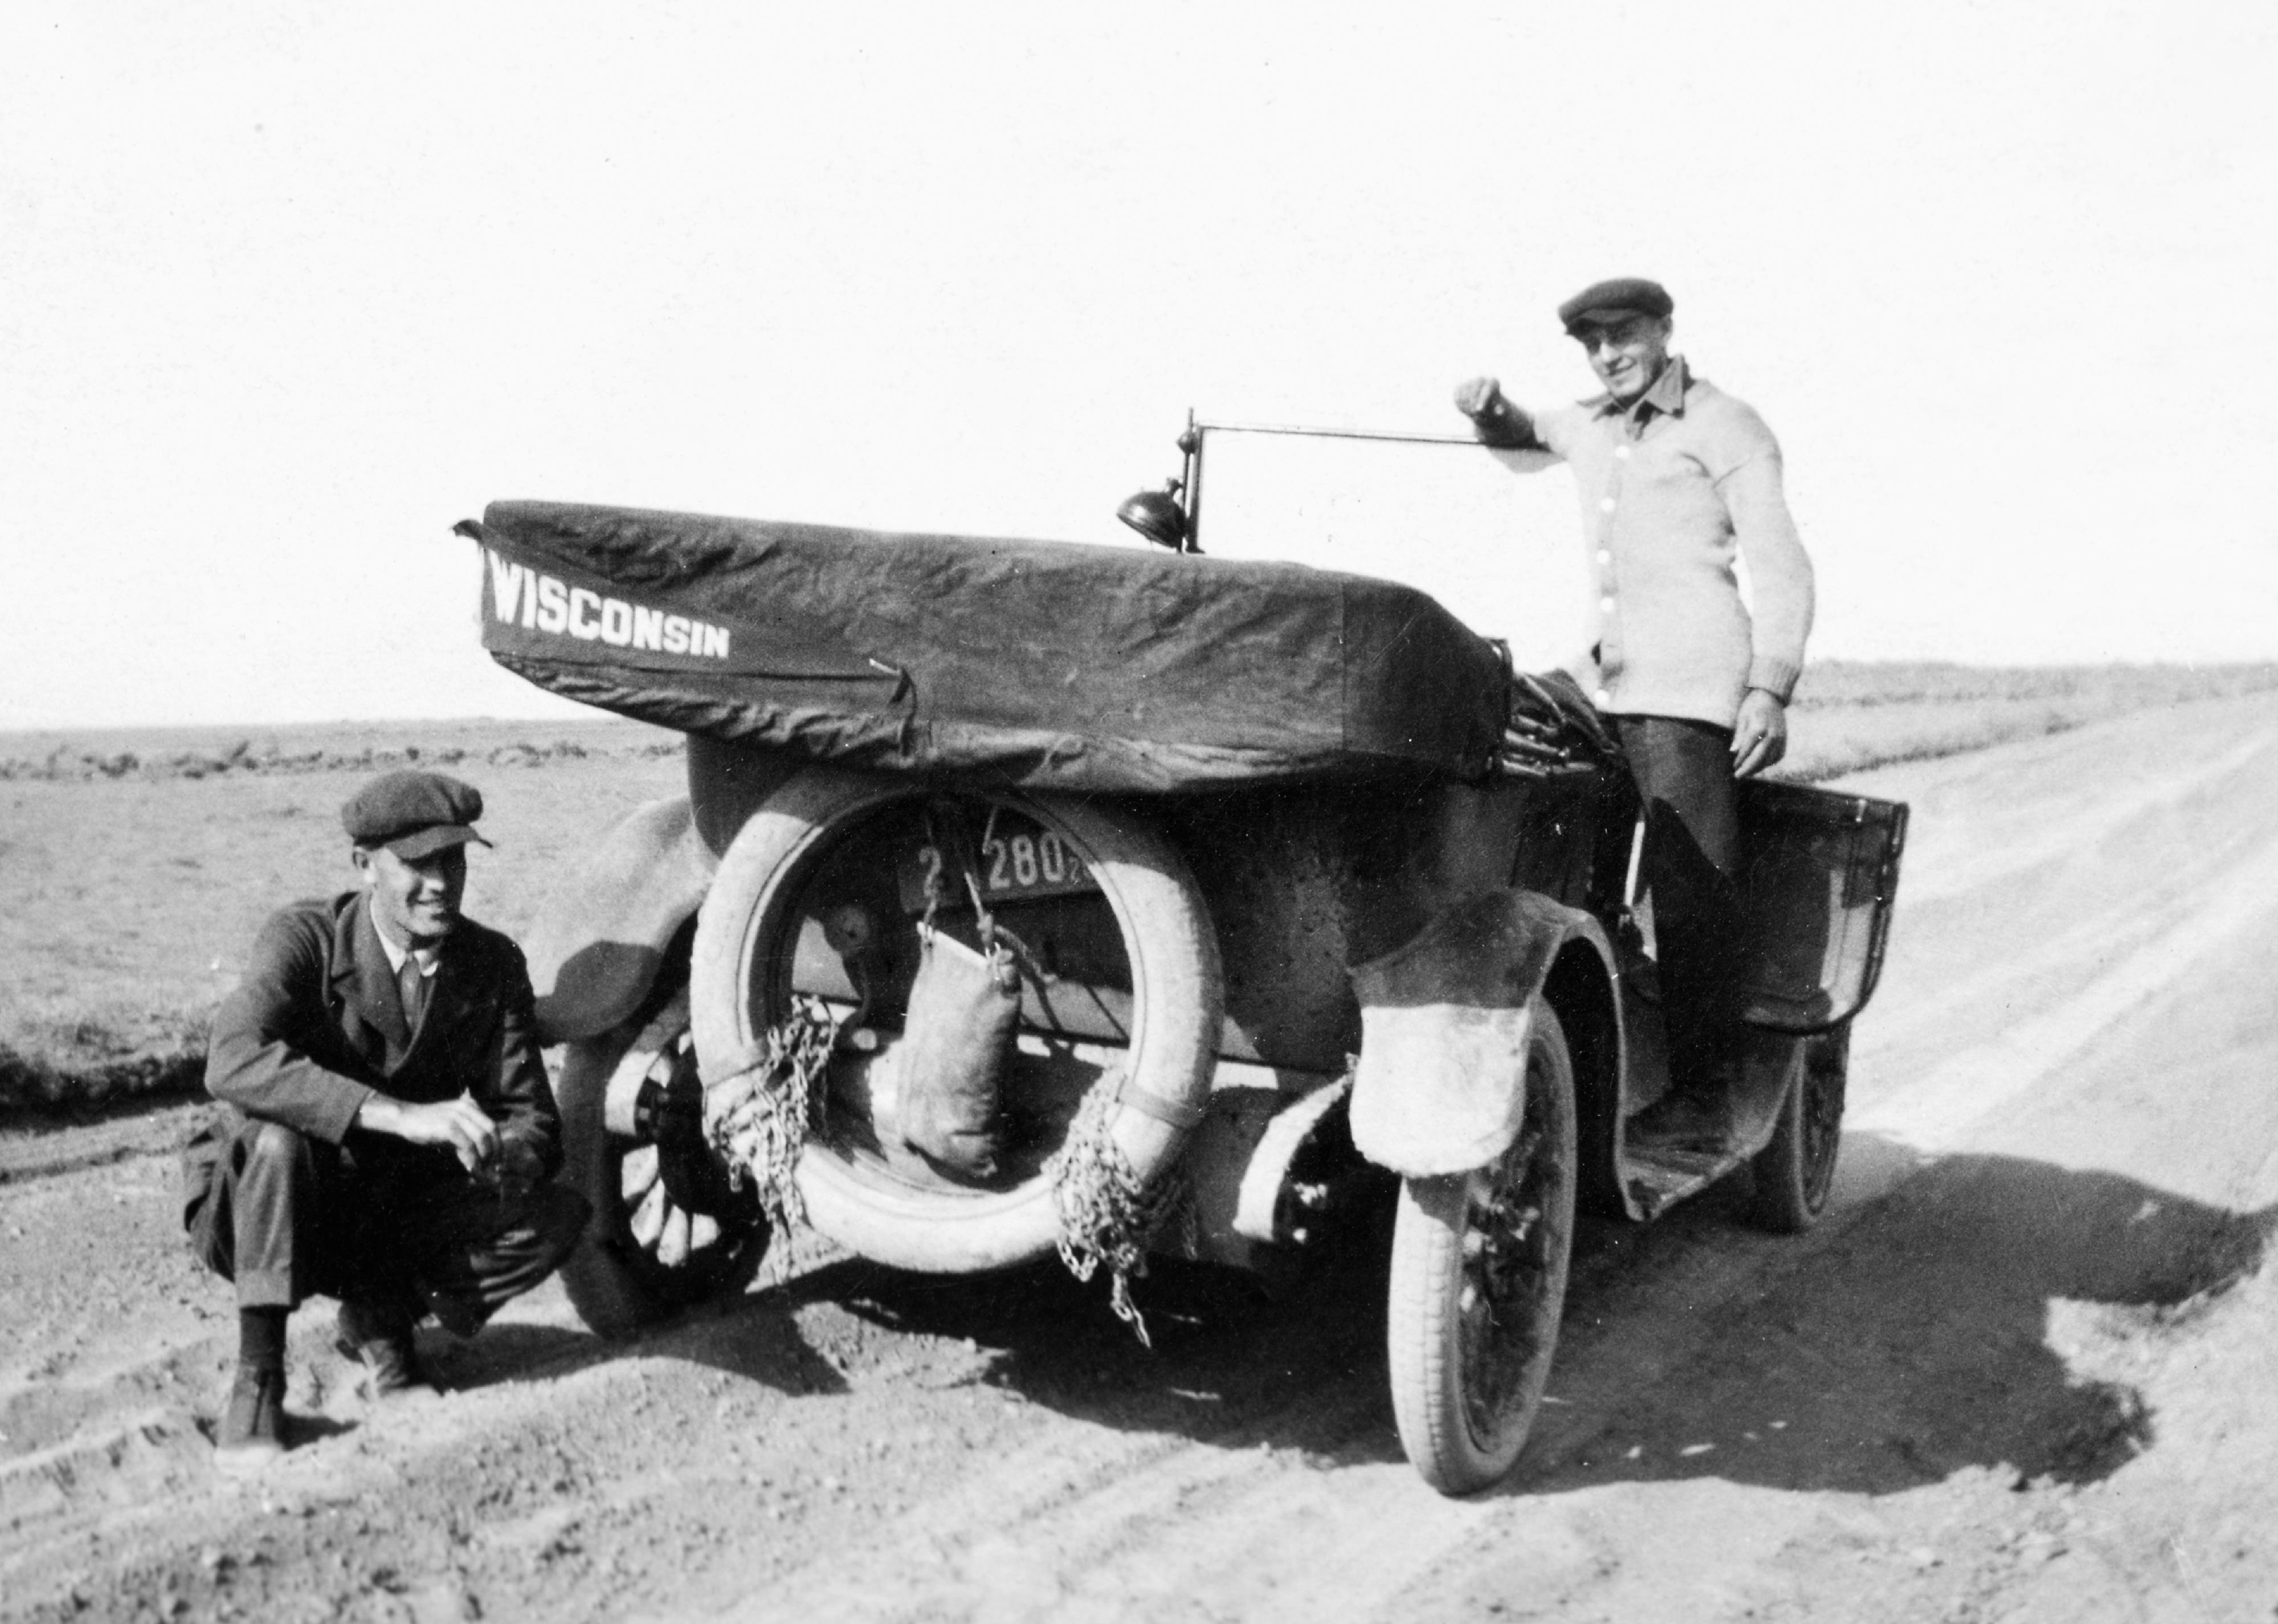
(284, 290)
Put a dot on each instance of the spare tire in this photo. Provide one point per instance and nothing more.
(741, 985)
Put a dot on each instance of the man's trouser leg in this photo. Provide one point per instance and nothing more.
(472, 1246)
(1684, 773)
(288, 1217)
(254, 1208)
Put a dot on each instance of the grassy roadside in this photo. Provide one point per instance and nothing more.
(461, 745)
(1850, 716)
(134, 897)
(138, 864)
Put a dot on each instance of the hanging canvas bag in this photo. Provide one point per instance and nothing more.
(963, 1006)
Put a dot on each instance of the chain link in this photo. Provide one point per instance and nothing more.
(1107, 1214)
(776, 1104)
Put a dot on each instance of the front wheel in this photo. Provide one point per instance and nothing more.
(1795, 1172)
(1478, 1282)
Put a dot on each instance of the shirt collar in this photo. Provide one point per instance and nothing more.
(425, 957)
(1666, 395)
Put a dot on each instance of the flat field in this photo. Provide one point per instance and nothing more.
(137, 867)
(137, 864)
(1850, 716)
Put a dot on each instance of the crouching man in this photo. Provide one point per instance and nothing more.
(385, 1134)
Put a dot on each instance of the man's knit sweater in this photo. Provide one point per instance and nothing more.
(1673, 488)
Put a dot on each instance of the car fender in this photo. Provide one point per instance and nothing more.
(1439, 1084)
(599, 942)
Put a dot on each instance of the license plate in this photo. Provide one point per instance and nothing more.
(1017, 862)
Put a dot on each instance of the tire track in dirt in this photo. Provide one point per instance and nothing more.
(2175, 884)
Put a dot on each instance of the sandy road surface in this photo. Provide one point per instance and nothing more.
(1987, 1387)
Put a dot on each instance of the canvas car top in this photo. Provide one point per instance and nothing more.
(1047, 664)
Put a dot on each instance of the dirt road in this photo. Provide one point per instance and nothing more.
(1993, 1385)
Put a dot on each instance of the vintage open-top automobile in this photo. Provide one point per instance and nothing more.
(1031, 895)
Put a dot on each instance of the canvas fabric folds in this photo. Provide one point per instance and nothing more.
(1048, 665)
(955, 1042)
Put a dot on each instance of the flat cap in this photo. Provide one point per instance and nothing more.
(1623, 293)
(413, 813)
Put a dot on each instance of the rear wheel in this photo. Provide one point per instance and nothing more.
(1795, 1172)
(645, 1256)
(1478, 1283)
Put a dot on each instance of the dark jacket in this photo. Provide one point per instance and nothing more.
(317, 1026)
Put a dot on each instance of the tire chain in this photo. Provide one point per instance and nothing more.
(1107, 1215)
(776, 1098)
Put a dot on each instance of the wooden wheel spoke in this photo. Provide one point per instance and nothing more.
(672, 1240)
(647, 1222)
(636, 1174)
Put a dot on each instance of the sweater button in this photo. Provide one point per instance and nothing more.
(1607, 505)
(1606, 604)
(1601, 698)
(1622, 452)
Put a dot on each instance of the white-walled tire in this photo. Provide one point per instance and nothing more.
(740, 986)
(1478, 1284)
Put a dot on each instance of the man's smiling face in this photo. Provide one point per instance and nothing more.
(1627, 349)
(414, 902)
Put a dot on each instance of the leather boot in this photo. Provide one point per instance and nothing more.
(379, 1336)
(251, 1432)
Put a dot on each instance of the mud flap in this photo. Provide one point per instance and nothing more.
(1440, 1086)
(598, 944)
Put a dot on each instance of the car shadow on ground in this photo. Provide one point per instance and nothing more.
(1910, 1340)
(1301, 1368)
(1955, 1324)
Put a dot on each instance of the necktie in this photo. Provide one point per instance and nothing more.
(412, 987)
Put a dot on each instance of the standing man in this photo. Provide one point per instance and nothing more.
(1678, 479)
(387, 1128)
